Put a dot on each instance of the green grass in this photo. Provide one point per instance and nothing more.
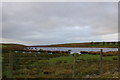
(95, 57)
(88, 57)
(31, 66)
(69, 59)
(3, 46)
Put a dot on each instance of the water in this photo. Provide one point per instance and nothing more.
(75, 50)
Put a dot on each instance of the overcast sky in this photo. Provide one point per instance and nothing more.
(39, 23)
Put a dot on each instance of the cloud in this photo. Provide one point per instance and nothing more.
(59, 22)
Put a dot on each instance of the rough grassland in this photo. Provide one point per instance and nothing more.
(69, 59)
(31, 65)
(89, 44)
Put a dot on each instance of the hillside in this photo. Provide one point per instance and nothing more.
(89, 44)
(10, 47)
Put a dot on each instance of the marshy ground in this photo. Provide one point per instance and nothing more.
(32, 65)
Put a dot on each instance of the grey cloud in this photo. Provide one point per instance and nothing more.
(48, 23)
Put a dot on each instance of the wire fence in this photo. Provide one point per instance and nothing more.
(34, 65)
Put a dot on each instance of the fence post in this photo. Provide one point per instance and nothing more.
(11, 64)
(74, 65)
(101, 55)
(119, 60)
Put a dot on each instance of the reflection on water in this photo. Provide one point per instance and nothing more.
(75, 49)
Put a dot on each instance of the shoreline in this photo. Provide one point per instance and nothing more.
(71, 47)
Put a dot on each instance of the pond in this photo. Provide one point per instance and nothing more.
(75, 49)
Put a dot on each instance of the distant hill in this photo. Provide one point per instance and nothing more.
(89, 44)
(11, 47)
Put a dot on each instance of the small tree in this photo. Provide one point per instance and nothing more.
(103, 43)
(92, 43)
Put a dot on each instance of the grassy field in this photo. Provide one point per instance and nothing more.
(88, 44)
(11, 47)
(31, 65)
(69, 59)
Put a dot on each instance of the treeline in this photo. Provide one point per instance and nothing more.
(87, 44)
(104, 43)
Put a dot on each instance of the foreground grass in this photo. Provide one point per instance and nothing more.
(31, 65)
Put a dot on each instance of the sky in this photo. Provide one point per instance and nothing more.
(44, 23)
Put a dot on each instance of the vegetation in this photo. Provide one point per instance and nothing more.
(11, 47)
(32, 65)
(42, 65)
(89, 44)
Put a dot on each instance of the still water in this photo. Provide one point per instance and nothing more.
(75, 49)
